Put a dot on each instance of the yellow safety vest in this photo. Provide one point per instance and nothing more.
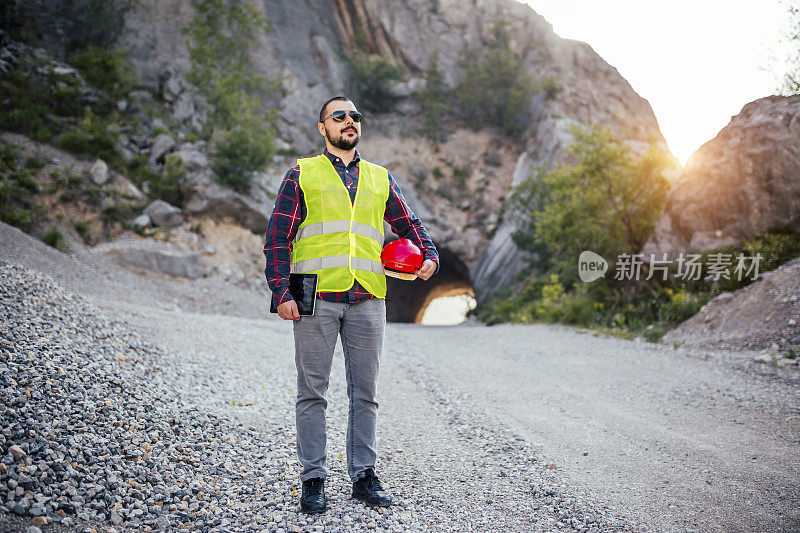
(340, 240)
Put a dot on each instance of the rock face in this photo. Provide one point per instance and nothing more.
(744, 182)
(162, 144)
(154, 257)
(763, 315)
(211, 199)
(307, 50)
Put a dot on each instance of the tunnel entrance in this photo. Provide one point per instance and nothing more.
(406, 301)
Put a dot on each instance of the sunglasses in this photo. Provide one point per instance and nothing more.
(339, 116)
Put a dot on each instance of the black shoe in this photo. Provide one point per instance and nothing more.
(369, 490)
(312, 500)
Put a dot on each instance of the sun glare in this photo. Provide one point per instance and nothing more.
(447, 310)
(697, 62)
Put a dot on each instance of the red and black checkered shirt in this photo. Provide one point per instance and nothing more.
(290, 211)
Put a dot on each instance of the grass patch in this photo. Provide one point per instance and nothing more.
(82, 228)
(17, 187)
(94, 136)
(53, 237)
(461, 174)
(34, 163)
(119, 213)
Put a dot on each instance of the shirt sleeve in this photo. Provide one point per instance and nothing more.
(406, 225)
(281, 229)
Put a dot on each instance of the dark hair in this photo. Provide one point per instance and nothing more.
(325, 105)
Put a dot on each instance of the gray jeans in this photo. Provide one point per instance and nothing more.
(361, 329)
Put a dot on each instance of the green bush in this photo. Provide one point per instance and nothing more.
(550, 86)
(34, 162)
(94, 136)
(240, 153)
(790, 82)
(607, 200)
(16, 189)
(494, 88)
(28, 110)
(82, 228)
(74, 181)
(775, 248)
(219, 39)
(167, 185)
(119, 212)
(92, 196)
(372, 80)
(676, 305)
(54, 238)
(106, 70)
(577, 308)
(460, 174)
(434, 100)
(39, 102)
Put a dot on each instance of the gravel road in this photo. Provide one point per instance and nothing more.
(503, 428)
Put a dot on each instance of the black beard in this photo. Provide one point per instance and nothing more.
(343, 143)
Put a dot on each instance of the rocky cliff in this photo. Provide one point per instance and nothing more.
(307, 49)
(744, 182)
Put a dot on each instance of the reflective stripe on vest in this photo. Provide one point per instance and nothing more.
(336, 226)
(339, 239)
(334, 261)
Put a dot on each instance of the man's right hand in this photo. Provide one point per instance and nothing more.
(288, 310)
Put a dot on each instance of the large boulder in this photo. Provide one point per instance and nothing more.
(99, 172)
(192, 156)
(154, 257)
(162, 145)
(162, 213)
(209, 198)
(744, 182)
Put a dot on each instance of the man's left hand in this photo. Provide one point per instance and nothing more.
(427, 269)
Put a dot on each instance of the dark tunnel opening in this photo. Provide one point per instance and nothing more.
(406, 301)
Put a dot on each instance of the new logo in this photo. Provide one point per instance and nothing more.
(591, 266)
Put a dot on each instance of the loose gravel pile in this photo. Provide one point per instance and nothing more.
(765, 315)
(94, 431)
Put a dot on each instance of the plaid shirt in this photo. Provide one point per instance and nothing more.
(290, 211)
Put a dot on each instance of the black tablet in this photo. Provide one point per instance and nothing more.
(303, 288)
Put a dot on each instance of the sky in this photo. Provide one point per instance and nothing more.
(697, 62)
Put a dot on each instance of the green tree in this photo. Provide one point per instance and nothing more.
(372, 81)
(494, 88)
(433, 99)
(606, 199)
(219, 41)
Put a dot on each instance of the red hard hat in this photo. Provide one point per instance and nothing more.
(401, 258)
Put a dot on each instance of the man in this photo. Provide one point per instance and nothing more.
(328, 219)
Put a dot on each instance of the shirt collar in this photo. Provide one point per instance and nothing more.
(333, 159)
